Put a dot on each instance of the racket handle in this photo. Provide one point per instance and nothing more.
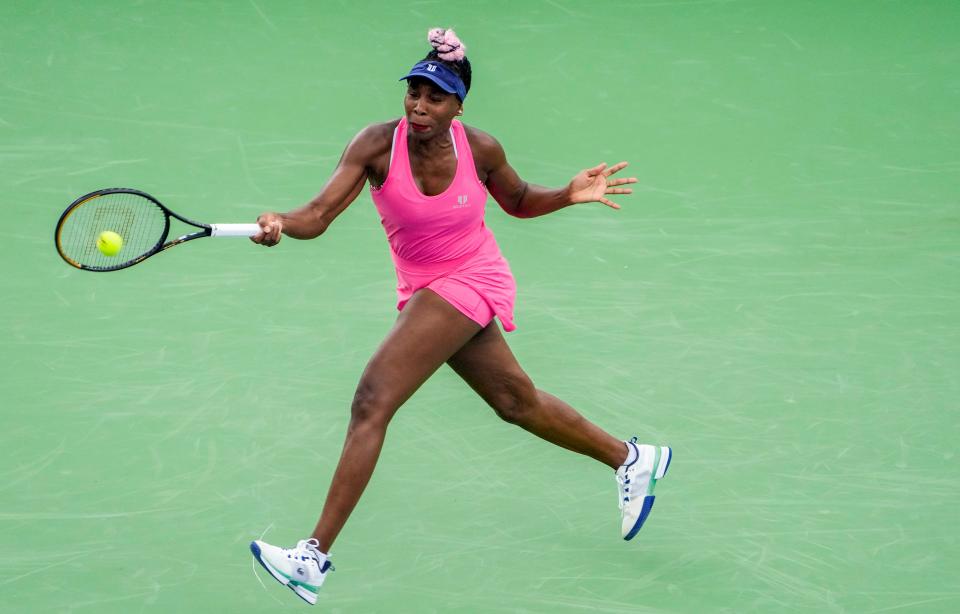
(234, 230)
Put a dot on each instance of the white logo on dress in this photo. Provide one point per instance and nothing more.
(431, 68)
(461, 202)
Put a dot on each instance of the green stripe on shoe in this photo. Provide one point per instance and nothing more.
(653, 479)
(309, 587)
(274, 569)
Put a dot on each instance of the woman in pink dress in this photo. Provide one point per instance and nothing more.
(429, 177)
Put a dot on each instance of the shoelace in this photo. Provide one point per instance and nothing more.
(623, 483)
(308, 549)
(305, 550)
(623, 487)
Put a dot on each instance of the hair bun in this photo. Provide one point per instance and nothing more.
(447, 44)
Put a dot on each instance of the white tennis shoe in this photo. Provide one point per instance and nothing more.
(636, 482)
(303, 568)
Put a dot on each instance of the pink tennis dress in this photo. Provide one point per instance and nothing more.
(441, 242)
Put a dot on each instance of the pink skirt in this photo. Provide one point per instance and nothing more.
(480, 285)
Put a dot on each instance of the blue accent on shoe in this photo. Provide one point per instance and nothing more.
(636, 451)
(255, 549)
(644, 512)
(669, 460)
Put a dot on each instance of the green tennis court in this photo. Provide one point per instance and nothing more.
(779, 301)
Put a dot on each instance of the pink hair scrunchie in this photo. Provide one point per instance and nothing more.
(447, 44)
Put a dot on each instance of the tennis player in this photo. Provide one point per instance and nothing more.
(429, 177)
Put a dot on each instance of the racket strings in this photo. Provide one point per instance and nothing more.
(140, 223)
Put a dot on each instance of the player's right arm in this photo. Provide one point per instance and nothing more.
(312, 219)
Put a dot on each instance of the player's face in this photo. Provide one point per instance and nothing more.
(429, 109)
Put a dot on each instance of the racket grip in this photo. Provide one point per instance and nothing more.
(234, 230)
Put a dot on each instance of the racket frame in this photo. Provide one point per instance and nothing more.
(206, 230)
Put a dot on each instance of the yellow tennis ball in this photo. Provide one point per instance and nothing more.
(109, 243)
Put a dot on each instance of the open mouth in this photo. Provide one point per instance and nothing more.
(419, 127)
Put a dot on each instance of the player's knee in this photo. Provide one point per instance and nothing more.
(515, 399)
(369, 407)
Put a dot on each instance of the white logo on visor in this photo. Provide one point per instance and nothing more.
(431, 68)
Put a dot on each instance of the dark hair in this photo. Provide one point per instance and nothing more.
(461, 67)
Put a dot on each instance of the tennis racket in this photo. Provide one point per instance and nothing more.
(139, 219)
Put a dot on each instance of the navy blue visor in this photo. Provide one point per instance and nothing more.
(443, 77)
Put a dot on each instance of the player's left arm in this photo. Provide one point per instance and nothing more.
(522, 199)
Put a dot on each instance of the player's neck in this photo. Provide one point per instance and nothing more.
(438, 145)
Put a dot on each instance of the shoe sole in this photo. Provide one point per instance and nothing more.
(301, 592)
(663, 464)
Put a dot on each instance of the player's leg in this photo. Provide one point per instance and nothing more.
(488, 365)
(428, 331)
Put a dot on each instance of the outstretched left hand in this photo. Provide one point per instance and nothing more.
(592, 184)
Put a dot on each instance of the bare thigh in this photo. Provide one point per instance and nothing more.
(488, 365)
(427, 332)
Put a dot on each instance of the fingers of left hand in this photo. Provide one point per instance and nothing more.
(609, 203)
(622, 181)
(615, 168)
(596, 170)
(618, 191)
